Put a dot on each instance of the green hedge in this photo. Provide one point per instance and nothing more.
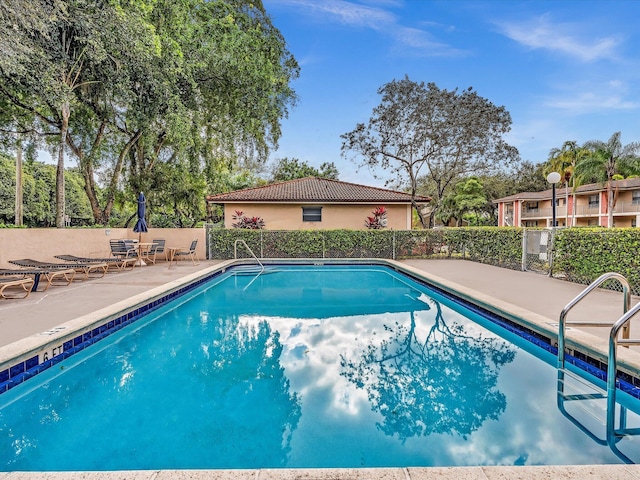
(493, 245)
(583, 254)
(496, 246)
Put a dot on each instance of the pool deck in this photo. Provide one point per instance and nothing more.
(539, 295)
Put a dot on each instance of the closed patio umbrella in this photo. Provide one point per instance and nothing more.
(141, 224)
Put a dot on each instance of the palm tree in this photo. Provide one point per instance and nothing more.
(604, 160)
(564, 161)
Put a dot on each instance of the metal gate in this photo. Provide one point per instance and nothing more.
(537, 251)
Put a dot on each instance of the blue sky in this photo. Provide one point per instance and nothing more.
(564, 69)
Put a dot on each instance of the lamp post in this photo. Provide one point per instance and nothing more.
(553, 178)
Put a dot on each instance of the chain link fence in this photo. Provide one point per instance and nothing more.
(578, 255)
(482, 245)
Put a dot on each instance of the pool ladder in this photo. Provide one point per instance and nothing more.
(613, 434)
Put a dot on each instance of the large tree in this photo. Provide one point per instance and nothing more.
(525, 176)
(39, 181)
(209, 102)
(200, 85)
(17, 134)
(66, 43)
(292, 168)
(604, 160)
(421, 129)
(469, 197)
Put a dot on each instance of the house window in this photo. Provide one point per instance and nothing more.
(531, 223)
(531, 206)
(635, 197)
(594, 200)
(311, 214)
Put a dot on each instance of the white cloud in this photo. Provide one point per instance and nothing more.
(422, 41)
(540, 33)
(374, 18)
(590, 102)
(594, 97)
(344, 12)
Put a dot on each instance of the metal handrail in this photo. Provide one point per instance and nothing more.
(612, 369)
(626, 291)
(235, 252)
(613, 434)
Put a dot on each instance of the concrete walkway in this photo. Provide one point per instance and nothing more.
(534, 292)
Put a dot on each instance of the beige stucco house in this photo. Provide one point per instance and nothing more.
(317, 203)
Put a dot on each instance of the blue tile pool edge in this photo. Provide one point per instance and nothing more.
(25, 369)
(625, 382)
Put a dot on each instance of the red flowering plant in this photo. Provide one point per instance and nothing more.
(251, 223)
(379, 219)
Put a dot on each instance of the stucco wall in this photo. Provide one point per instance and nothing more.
(288, 216)
(44, 243)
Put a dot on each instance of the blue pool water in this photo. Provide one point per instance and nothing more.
(302, 367)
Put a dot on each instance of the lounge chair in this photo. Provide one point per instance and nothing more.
(22, 284)
(118, 263)
(54, 276)
(88, 269)
(178, 254)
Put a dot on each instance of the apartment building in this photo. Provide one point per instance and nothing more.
(534, 209)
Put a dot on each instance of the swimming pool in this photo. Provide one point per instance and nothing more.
(310, 375)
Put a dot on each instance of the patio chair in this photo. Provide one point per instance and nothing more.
(88, 269)
(191, 253)
(158, 247)
(23, 285)
(123, 249)
(118, 263)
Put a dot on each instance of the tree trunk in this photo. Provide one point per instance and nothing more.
(417, 208)
(19, 208)
(101, 215)
(609, 205)
(60, 216)
(566, 204)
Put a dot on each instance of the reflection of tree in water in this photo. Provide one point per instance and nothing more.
(253, 397)
(446, 384)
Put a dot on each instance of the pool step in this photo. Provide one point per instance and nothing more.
(252, 270)
(589, 397)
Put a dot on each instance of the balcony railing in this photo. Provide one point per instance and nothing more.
(543, 212)
(587, 210)
(581, 210)
(626, 207)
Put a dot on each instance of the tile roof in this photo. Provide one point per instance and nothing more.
(314, 189)
(627, 184)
